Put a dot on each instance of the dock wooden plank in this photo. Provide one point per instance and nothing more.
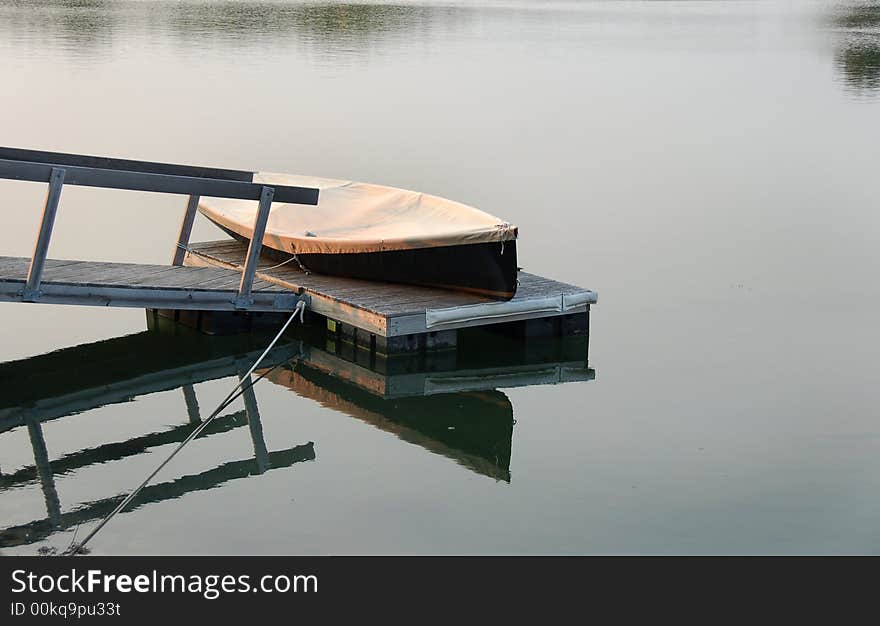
(102, 275)
(98, 273)
(80, 269)
(174, 278)
(12, 267)
(61, 271)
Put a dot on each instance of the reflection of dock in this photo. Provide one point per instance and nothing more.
(482, 360)
(445, 373)
(446, 402)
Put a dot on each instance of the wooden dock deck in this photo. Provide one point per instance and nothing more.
(137, 285)
(398, 317)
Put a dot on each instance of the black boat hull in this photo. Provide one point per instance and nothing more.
(487, 269)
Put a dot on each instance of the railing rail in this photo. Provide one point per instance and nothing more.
(146, 181)
(58, 169)
(111, 163)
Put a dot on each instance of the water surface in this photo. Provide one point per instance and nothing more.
(708, 167)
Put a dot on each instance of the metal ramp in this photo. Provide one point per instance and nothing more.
(136, 285)
(39, 279)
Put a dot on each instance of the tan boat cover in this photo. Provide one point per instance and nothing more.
(358, 217)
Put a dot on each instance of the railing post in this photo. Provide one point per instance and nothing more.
(243, 299)
(41, 249)
(186, 227)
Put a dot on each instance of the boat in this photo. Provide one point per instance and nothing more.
(373, 232)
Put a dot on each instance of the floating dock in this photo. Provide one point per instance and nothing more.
(226, 286)
(392, 319)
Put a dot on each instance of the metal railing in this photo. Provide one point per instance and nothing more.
(59, 169)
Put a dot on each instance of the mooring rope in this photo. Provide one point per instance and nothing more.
(239, 389)
(293, 257)
(275, 267)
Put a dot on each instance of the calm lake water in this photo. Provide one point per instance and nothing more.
(710, 168)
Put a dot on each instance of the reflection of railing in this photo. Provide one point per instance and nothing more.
(46, 470)
(40, 529)
(121, 369)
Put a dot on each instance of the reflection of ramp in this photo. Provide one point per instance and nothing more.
(84, 377)
(482, 360)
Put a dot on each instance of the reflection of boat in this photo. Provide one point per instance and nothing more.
(382, 233)
(474, 429)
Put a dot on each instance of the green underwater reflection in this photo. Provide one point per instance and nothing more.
(91, 28)
(857, 57)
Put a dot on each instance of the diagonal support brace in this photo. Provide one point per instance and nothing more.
(243, 298)
(186, 226)
(31, 291)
